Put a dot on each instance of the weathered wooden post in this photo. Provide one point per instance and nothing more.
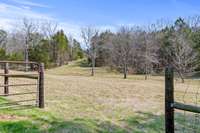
(169, 100)
(6, 81)
(41, 85)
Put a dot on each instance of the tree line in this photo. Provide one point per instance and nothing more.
(40, 41)
(131, 49)
(146, 50)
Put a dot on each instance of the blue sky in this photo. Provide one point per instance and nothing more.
(73, 14)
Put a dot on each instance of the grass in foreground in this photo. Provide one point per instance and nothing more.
(33, 120)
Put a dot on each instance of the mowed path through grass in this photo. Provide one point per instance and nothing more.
(75, 102)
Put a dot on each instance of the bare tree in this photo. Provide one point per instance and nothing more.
(184, 57)
(3, 39)
(150, 49)
(194, 22)
(48, 28)
(89, 36)
(122, 49)
(28, 28)
(15, 42)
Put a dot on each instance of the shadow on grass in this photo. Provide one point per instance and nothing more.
(39, 121)
(140, 123)
(86, 126)
(144, 122)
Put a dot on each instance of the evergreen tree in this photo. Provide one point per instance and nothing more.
(60, 48)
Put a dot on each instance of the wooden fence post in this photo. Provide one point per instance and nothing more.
(6, 81)
(41, 85)
(169, 100)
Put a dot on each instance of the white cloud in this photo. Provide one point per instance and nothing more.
(11, 15)
(30, 3)
(26, 7)
(12, 11)
(5, 24)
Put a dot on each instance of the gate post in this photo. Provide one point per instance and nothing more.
(41, 85)
(169, 100)
(6, 82)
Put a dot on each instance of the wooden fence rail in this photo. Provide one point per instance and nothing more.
(185, 107)
(39, 76)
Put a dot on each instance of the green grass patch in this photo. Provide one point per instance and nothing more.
(34, 120)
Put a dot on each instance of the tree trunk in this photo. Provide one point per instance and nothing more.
(93, 66)
(182, 78)
(125, 71)
(145, 59)
(145, 76)
(146, 72)
(26, 56)
(72, 52)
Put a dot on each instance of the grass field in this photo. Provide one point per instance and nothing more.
(75, 102)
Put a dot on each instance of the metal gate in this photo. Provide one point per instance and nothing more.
(30, 76)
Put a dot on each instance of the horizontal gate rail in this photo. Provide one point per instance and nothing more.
(19, 62)
(186, 107)
(31, 76)
(16, 94)
(18, 85)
